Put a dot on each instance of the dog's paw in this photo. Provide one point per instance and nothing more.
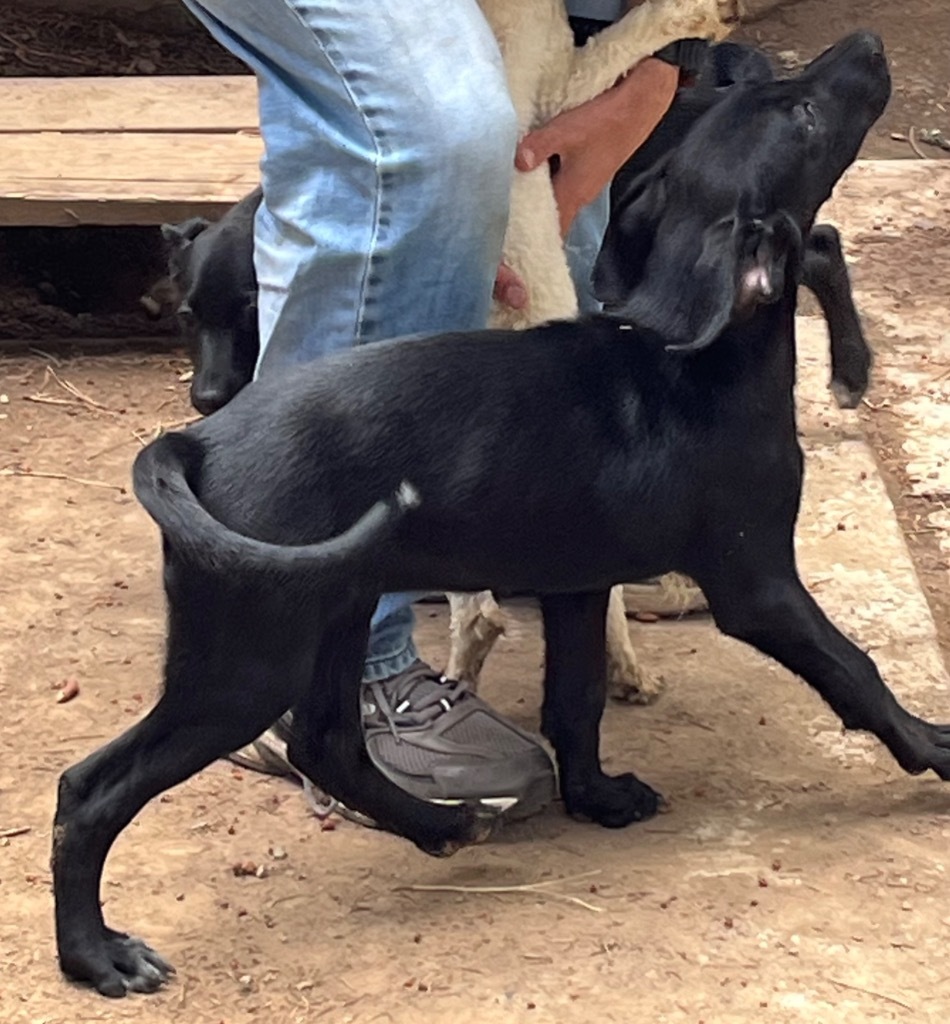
(116, 965)
(850, 385)
(847, 396)
(920, 746)
(613, 801)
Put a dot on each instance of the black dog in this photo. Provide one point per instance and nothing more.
(211, 268)
(557, 462)
(824, 271)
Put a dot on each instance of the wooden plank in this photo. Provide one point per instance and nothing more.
(51, 213)
(212, 103)
(62, 165)
(102, 178)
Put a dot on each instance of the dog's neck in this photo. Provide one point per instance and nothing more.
(760, 347)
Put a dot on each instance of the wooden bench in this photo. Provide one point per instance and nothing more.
(133, 150)
(144, 150)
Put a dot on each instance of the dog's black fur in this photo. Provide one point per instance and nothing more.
(211, 268)
(558, 462)
(824, 270)
(212, 265)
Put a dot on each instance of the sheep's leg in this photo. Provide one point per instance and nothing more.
(627, 681)
(476, 623)
(638, 34)
(533, 249)
(668, 596)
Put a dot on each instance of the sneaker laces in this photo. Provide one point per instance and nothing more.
(415, 697)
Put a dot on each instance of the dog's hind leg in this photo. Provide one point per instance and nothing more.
(762, 601)
(199, 719)
(826, 274)
(327, 745)
(240, 651)
(627, 680)
(475, 624)
(574, 689)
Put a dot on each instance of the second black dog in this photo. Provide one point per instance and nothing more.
(211, 268)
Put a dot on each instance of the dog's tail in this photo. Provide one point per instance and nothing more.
(160, 478)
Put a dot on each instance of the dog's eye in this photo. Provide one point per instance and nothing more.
(807, 115)
(185, 310)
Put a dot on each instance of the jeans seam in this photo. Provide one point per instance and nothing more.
(334, 61)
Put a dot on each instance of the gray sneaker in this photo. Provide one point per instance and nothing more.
(436, 740)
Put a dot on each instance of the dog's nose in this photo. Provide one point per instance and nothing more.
(871, 42)
(209, 399)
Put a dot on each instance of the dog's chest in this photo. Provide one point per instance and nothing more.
(537, 47)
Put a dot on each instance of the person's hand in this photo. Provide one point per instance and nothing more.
(594, 140)
(510, 288)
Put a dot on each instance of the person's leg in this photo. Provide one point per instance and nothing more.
(582, 245)
(389, 139)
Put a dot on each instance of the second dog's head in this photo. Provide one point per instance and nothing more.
(715, 229)
(211, 266)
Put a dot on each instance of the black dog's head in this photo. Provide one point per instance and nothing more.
(211, 268)
(715, 229)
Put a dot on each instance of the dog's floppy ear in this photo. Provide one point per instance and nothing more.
(694, 279)
(183, 234)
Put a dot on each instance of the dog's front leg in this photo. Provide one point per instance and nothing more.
(770, 609)
(826, 274)
(574, 693)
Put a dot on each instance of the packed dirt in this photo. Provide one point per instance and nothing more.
(797, 877)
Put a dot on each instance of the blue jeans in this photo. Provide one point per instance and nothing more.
(389, 142)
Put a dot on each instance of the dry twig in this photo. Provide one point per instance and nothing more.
(71, 389)
(63, 476)
(10, 833)
(529, 888)
(871, 992)
(912, 140)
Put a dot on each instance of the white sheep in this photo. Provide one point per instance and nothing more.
(547, 75)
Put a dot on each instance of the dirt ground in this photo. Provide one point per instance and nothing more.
(793, 880)
(797, 877)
